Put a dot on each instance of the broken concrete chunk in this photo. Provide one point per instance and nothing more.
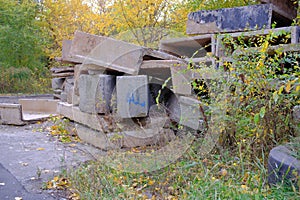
(234, 19)
(132, 96)
(95, 92)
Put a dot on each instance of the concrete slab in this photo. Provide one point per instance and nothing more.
(190, 47)
(236, 19)
(285, 8)
(132, 96)
(75, 114)
(158, 68)
(125, 139)
(66, 57)
(37, 109)
(293, 32)
(95, 92)
(126, 57)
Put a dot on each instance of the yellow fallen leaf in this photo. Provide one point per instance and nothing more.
(40, 149)
(18, 198)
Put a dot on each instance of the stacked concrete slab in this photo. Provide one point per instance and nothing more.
(113, 82)
(109, 91)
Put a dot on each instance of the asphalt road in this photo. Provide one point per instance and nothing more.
(28, 159)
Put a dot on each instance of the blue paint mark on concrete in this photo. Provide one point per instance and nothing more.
(132, 99)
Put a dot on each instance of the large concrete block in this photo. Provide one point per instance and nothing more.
(95, 92)
(234, 19)
(296, 114)
(132, 96)
(94, 137)
(73, 113)
(109, 53)
(11, 114)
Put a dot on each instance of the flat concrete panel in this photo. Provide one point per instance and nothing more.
(230, 19)
(39, 106)
(95, 92)
(66, 57)
(132, 96)
(222, 50)
(190, 47)
(107, 52)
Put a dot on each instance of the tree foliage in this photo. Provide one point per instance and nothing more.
(21, 43)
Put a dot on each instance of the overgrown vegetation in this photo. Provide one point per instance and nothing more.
(257, 89)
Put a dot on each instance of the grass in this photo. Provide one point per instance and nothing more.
(216, 176)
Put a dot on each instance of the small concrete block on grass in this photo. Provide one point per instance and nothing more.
(95, 92)
(282, 166)
(132, 96)
(11, 114)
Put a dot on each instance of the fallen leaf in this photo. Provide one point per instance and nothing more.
(2, 184)
(18, 198)
(40, 149)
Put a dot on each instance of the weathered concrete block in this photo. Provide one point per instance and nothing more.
(191, 113)
(11, 114)
(140, 138)
(94, 137)
(57, 83)
(69, 90)
(282, 166)
(181, 80)
(66, 57)
(233, 19)
(63, 97)
(74, 114)
(132, 96)
(95, 92)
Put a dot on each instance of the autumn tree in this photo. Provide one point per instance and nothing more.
(64, 17)
(143, 22)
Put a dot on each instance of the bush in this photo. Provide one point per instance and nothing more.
(24, 80)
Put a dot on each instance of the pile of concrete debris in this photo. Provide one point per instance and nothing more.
(111, 83)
